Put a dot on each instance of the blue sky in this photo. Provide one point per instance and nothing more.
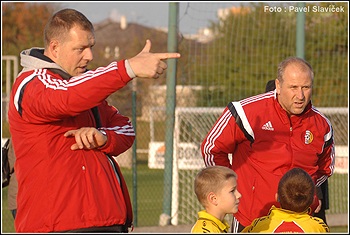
(192, 15)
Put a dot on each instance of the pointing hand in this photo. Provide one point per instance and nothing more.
(150, 65)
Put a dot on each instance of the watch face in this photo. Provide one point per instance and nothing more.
(103, 132)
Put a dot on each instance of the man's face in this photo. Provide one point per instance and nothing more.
(294, 92)
(74, 52)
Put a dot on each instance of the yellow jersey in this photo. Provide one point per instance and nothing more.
(207, 223)
(284, 221)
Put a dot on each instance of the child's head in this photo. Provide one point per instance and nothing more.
(296, 190)
(217, 184)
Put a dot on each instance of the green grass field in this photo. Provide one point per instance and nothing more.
(150, 197)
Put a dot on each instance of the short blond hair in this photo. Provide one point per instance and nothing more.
(211, 179)
(64, 20)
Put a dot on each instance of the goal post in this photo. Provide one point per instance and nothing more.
(191, 126)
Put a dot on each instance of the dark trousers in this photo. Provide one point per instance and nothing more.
(236, 227)
(104, 229)
(325, 202)
(240, 228)
(13, 212)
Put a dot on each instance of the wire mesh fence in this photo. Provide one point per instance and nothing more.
(231, 58)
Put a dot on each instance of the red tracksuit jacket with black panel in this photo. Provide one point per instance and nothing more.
(60, 189)
(265, 143)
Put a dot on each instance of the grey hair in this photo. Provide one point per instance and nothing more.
(302, 64)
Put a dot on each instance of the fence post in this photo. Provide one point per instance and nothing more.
(134, 149)
(165, 217)
(11, 71)
(300, 32)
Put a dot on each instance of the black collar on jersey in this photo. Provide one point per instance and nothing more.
(60, 72)
(39, 53)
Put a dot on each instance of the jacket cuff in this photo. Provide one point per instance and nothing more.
(129, 70)
(122, 70)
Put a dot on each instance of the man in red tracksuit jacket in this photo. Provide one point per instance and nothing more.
(66, 181)
(267, 135)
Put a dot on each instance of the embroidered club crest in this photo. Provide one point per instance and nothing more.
(308, 137)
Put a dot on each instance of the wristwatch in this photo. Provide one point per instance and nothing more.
(103, 132)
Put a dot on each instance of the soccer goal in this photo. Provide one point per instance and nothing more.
(191, 126)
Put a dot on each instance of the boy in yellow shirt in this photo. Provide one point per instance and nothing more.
(216, 190)
(295, 194)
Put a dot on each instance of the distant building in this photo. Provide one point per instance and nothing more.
(206, 35)
(225, 12)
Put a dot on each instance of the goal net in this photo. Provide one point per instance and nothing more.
(191, 127)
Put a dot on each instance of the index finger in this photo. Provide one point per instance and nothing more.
(164, 56)
(69, 133)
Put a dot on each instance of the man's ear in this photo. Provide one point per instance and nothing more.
(278, 86)
(276, 197)
(212, 199)
(53, 48)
